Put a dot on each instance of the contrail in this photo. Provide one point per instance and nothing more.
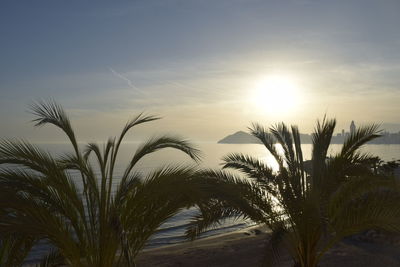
(129, 82)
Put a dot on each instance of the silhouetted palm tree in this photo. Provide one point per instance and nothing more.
(91, 217)
(309, 206)
(14, 249)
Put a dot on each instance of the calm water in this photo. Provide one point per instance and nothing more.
(173, 230)
(212, 154)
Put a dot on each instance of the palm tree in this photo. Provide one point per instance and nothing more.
(308, 205)
(14, 249)
(90, 216)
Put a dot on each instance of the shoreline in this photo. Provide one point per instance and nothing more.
(246, 247)
(246, 231)
(216, 250)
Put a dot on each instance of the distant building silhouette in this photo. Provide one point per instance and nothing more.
(352, 127)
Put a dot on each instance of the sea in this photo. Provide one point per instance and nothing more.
(172, 231)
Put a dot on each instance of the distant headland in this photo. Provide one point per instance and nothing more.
(241, 137)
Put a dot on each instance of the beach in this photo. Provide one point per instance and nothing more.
(245, 247)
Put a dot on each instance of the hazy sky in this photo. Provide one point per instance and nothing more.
(197, 64)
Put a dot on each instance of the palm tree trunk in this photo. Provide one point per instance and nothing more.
(307, 256)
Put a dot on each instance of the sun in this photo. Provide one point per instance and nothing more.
(276, 94)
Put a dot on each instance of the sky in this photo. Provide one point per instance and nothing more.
(201, 65)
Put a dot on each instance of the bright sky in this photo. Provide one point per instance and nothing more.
(210, 68)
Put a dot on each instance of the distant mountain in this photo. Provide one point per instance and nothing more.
(245, 138)
(239, 138)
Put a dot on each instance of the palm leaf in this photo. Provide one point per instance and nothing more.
(157, 143)
(250, 166)
(80, 215)
(357, 139)
(317, 202)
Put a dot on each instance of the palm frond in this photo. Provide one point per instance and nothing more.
(359, 138)
(51, 112)
(31, 218)
(374, 210)
(94, 148)
(243, 195)
(212, 215)
(156, 143)
(53, 259)
(357, 188)
(127, 186)
(321, 139)
(251, 166)
(88, 223)
(284, 138)
(267, 139)
(139, 119)
(25, 154)
(325, 198)
(14, 249)
(299, 159)
(72, 162)
(160, 196)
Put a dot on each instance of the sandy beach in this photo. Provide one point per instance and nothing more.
(245, 248)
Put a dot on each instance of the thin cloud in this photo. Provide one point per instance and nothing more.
(128, 81)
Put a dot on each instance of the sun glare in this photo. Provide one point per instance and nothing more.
(276, 94)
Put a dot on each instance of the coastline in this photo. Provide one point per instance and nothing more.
(242, 247)
(247, 231)
(246, 247)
